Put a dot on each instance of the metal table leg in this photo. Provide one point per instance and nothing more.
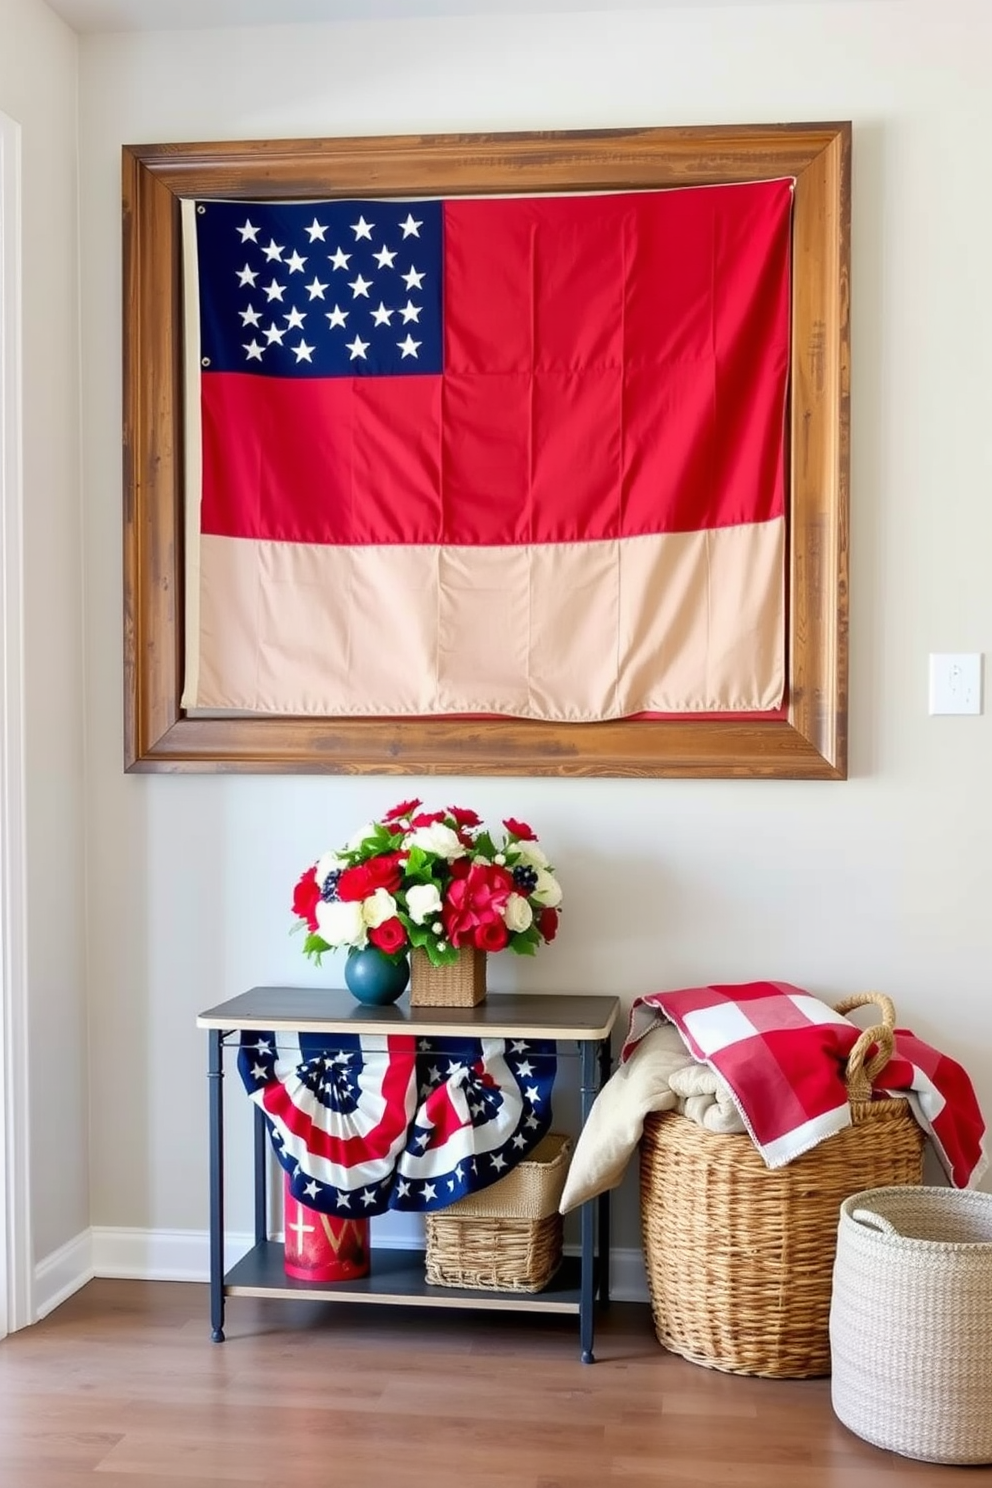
(261, 1153)
(587, 1219)
(603, 1202)
(215, 1085)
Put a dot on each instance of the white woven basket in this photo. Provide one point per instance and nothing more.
(911, 1322)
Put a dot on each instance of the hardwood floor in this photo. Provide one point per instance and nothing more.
(122, 1384)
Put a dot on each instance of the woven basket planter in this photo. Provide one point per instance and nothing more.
(739, 1257)
(460, 983)
(508, 1238)
(911, 1322)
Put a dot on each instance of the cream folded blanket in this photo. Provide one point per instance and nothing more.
(659, 1075)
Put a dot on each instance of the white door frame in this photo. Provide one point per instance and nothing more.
(16, 1267)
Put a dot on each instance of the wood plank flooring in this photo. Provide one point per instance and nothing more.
(122, 1385)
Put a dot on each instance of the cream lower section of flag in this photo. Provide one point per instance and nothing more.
(678, 623)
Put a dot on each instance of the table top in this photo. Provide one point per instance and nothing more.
(334, 1010)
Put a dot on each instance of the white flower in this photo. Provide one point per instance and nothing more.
(378, 908)
(327, 863)
(438, 839)
(341, 924)
(547, 890)
(517, 914)
(422, 901)
(530, 853)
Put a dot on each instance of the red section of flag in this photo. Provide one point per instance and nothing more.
(613, 366)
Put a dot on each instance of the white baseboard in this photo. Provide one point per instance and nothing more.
(62, 1273)
(184, 1255)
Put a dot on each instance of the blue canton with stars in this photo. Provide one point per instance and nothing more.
(418, 1129)
(320, 289)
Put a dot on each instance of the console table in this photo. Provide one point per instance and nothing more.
(577, 1025)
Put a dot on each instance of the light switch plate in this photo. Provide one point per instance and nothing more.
(956, 682)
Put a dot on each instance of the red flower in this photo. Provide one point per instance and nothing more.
(460, 868)
(427, 819)
(381, 872)
(464, 817)
(389, 936)
(520, 830)
(475, 900)
(547, 924)
(400, 811)
(492, 936)
(305, 898)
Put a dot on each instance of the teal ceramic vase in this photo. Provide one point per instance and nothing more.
(373, 978)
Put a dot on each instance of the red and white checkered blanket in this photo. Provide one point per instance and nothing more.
(782, 1053)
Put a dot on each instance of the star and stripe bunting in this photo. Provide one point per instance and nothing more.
(365, 1124)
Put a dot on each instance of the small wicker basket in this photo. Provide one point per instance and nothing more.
(508, 1238)
(911, 1322)
(460, 983)
(739, 1257)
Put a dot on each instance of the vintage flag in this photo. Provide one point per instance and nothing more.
(513, 456)
(364, 1124)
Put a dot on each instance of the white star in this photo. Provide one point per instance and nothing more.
(250, 316)
(362, 229)
(531, 1121)
(339, 259)
(247, 275)
(409, 346)
(294, 263)
(384, 258)
(315, 289)
(359, 286)
(275, 291)
(337, 316)
(263, 1046)
(274, 334)
(518, 1046)
(531, 1094)
(315, 230)
(344, 1200)
(358, 348)
(304, 353)
(414, 279)
(382, 316)
(402, 1188)
(519, 1141)
(525, 1068)
(451, 1185)
(259, 1072)
(249, 232)
(459, 1172)
(498, 1161)
(410, 312)
(422, 1140)
(254, 351)
(295, 319)
(411, 227)
(430, 1192)
(274, 250)
(434, 1074)
(368, 1197)
(312, 1189)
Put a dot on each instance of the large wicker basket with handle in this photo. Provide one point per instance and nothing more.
(739, 1257)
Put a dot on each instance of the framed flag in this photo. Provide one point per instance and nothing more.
(504, 454)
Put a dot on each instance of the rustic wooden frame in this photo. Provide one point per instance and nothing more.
(810, 743)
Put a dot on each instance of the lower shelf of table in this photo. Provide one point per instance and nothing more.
(397, 1277)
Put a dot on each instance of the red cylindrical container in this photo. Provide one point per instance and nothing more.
(323, 1247)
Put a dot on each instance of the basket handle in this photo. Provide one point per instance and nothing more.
(859, 1075)
(874, 1221)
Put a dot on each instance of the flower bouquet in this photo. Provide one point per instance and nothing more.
(434, 882)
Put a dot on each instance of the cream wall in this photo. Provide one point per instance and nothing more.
(38, 75)
(882, 881)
